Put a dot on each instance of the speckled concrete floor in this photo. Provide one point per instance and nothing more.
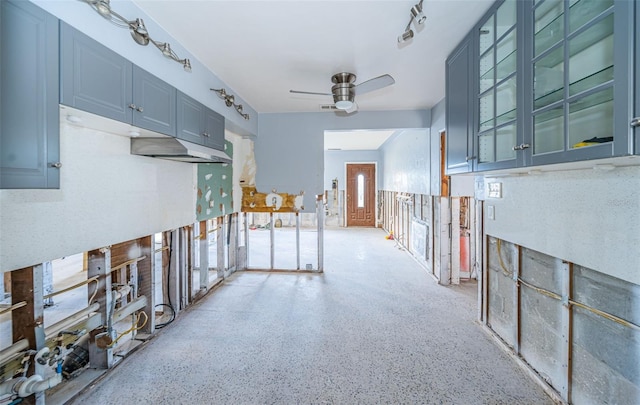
(373, 329)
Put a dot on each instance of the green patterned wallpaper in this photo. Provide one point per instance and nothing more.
(215, 188)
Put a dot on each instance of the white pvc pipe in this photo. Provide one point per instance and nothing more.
(36, 383)
(10, 386)
(9, 352)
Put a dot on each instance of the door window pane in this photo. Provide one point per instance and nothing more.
(506, 17)
(485, 145)
(505, 141)
(581, 11)
(591, 57)
(548, 82)
(486, 111)
(360, 191)
(591, 120)
(548, 130)
(548, 25)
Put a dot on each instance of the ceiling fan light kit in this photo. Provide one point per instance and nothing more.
(137, 29)
(416, 15)
(344, 89)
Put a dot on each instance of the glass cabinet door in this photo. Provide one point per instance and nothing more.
(497, 91)
(573, 66)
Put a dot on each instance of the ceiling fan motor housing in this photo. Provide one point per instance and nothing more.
(343, 89)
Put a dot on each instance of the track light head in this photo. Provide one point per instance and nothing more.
(103, 7)
(166, 50)
(407, 35)
(418, 15)
(139, 32)
(187, 65)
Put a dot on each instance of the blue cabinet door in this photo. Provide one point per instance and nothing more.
(155, 103)
(214, 130)
(459, 109)
(29, 123)
(94, 78)
(190, 119)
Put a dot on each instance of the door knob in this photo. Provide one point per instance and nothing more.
(635, 122)
(56, 165)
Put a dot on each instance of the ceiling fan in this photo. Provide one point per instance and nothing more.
(344, 90)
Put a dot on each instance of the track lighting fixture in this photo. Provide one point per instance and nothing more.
(406, 35)
(137, 29)
(416, 12)
(416, 15)
(229, 101)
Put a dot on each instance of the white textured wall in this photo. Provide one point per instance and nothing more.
(106, 196)
(588, 217)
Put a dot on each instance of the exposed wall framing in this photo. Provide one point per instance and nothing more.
(577, 328)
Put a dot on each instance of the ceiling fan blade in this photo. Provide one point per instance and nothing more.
(309, 92)
(374, 84)
(353, 108)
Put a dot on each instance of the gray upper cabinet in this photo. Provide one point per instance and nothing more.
(554, 81)
(190, 119)
(577, 59)
(497, 128)
(94, 78)
(154, 103)
(29, 122)
(459, 111)
(214, 129)
(98, 80)
(199, 124)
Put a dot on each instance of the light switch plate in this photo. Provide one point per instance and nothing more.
(491, 212)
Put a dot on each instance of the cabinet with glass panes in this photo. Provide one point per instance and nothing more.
(573, 60)
(497, 88)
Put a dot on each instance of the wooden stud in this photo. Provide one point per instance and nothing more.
(203, 244)
(100, 265)
(147, 282)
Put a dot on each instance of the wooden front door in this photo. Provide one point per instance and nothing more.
(361, 194)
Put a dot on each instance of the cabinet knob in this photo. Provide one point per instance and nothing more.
(205, 134)
(56, 165)
(470, 158)
(140, 109)
(522, 146)
(133, 106)
(635, 122)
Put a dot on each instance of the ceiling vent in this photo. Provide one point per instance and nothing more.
(328, 107)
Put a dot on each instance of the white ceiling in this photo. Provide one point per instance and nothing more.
(263, 48)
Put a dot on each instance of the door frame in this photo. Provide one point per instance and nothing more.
(376, 223)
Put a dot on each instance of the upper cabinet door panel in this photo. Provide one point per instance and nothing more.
(94, 78)
(155, 103)
(458, 109)
(190, 119)
(635, 121)
(214, 130)
(29, 123)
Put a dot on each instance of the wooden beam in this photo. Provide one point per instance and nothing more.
(147, 281)
(28, 320)
(100, 266)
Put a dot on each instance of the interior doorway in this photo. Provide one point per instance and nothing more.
(361, 194)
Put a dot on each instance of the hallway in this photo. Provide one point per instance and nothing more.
(374, 328)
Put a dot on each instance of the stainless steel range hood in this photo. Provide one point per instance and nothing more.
(177, 149)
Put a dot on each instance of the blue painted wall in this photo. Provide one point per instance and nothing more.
(196, 84)
(406, 161)
(335, 160)
(290, 149)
